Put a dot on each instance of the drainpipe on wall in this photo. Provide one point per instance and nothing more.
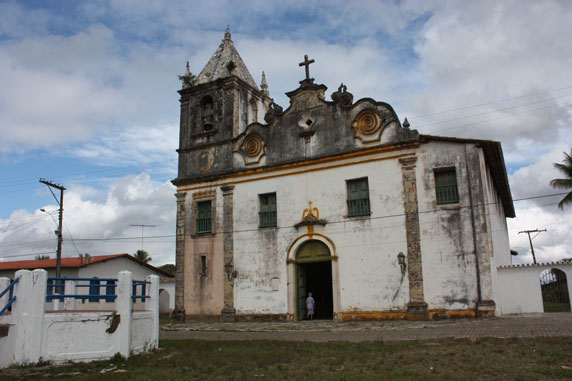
(477, 267)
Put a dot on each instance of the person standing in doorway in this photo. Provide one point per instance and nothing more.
(310, 306)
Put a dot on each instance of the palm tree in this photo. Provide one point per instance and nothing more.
(143, 256)
(566, 183)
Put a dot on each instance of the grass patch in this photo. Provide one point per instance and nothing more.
(556, 307)
(522, 359)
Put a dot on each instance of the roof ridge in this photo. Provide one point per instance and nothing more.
(225, 62)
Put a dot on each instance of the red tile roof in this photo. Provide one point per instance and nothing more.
(73, 262)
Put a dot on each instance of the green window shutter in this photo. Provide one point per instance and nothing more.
(358, 197)
(204, 217)
(267, 212)
(446, 187)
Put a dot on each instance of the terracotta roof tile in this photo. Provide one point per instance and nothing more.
(72, 262)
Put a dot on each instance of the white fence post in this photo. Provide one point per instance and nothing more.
(28, 311)
(4, 283)
(123, 305)
(69, 289)
(152, 305)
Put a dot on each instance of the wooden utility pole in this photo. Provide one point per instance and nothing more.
(60, 222)
(530, 240)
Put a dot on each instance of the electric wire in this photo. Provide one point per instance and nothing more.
(490, 103)
(423, 221)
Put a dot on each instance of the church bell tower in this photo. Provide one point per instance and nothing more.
(216, 106)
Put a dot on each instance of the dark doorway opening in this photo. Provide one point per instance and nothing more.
(317, 279)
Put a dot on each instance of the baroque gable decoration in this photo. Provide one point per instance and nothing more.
(252, 149)
(343, 96)
(311, 217)
(274, 111)
(368, 126)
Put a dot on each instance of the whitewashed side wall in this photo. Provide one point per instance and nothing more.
(498, 225)
(449, 270)
(76, 336)
(369, 275)
(519, 287)
(498, 228)
(166, 296)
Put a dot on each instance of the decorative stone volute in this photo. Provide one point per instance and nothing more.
(368, 125)
(252, 148)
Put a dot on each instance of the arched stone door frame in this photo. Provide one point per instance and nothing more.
(291, 264)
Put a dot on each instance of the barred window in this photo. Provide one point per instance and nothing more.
(446, 186)
(358, 197)
(267, 212)
(204, 217)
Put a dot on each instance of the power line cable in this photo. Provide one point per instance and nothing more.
(495, 111)
(421, 212)
(500, 117)
(490, 103)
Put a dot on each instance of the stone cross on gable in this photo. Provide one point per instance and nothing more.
(307, 63)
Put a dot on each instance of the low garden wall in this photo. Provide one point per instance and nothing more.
(29, 333)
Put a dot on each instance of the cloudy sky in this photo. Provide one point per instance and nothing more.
(88, 99)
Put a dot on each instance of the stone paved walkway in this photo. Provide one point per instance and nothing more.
(521, 326)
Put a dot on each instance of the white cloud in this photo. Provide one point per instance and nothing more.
(105, 90)
(478, 52)
(94, 225)
(549, 246)
(142, 146)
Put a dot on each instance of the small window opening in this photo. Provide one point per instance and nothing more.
(203, 217)
(267, 213)
(203, 269)
(446, 186)
(358, 197)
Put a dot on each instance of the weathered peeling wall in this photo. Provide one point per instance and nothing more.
(367, 248)
(235, 105)
(203, 294)
(447, 246)
(498, 232)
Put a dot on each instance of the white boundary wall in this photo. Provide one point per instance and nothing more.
(519, 286)
(34, 335)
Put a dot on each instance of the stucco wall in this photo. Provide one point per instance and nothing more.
(366, 269)
(519, 287)
(366, 247)
(204, 293)
(449, 271)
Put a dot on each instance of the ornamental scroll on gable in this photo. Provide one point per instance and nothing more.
(252, 148)
(368, 125)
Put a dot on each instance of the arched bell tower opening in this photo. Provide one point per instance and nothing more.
(207, 113)
(313, 270)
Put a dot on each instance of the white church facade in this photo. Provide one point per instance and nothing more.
(338, 198)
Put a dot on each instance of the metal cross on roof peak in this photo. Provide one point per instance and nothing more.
(307, 63)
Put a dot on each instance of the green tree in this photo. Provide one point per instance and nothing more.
(566, 183)
(168, 268)
(42, 257)
(143, 256)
